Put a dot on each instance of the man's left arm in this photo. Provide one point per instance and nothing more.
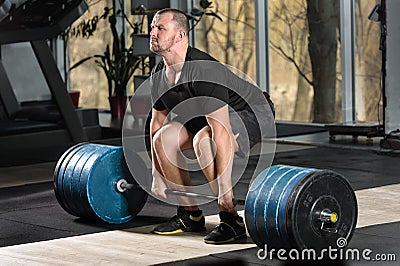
(225, 146)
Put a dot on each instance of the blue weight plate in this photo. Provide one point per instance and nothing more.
(291, 198)
(82, 206)
(68, 177)
(283, 201)
(263, 215)
(56, 172)
(81, 181)
(273, 203)
(59, 175)
(108, 204)
(263, 202)
(249, 207)
(257, 231)
(62, 161)
(136, 198)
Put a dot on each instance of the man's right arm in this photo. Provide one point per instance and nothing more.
(157, 121)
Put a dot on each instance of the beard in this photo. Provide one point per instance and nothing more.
(161, 47)
(155, 48)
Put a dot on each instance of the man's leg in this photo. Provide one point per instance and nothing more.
(231, 225)
(168, 143)
(205, 153)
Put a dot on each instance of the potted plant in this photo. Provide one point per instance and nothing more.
(117, 61)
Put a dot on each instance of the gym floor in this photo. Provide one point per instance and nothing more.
(35, 230)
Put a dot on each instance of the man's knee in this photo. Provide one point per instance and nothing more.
(163, 139)
(171, 138)
(202, 135)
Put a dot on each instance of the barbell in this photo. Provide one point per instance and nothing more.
(122, 186)
(285, 207)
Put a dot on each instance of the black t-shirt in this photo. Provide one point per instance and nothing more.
(204, 86)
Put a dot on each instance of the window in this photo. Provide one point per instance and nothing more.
(231, 41)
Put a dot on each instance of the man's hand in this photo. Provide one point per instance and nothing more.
(158, 186)
(226, 201)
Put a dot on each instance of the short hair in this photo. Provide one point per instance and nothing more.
(178, 16)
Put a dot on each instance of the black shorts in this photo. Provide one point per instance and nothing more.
(244, 122)
(252, 128)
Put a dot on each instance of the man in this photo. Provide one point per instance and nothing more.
(206, 125)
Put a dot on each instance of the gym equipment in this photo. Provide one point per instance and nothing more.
(24, 125)
(123, 185)
(293, 207)
(286, 206)
(85, 179)
(31, 20)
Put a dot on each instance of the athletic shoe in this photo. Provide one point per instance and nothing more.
(230, 228)
(183, 221)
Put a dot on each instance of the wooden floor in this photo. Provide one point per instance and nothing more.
(377, 191)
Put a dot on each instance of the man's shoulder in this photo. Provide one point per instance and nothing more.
(196, 54)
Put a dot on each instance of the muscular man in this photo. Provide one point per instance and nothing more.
(205, 124)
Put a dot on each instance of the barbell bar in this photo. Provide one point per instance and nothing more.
(285, 207)
(122, 186)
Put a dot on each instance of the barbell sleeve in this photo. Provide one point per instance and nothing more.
(328, 216)
(122, 185)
